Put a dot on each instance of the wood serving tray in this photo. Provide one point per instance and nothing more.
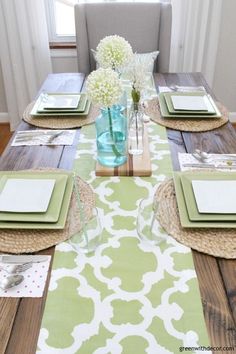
(136, 165)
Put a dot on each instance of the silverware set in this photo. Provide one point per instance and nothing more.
(13, 265)
(187, 88)
(218, 161)
(46, 136)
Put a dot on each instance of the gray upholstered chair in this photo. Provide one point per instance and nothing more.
(146, 25)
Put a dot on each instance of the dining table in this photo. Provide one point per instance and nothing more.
(20, 318)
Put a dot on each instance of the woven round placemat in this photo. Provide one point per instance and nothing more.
(27, 241)
(59, 122)
(216, 242)
(188, 125)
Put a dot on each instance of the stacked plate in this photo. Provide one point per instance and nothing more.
(206, 199)
(61, 105)
(188, 105)
(34, 200)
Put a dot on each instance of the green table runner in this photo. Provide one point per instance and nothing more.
(128, 297)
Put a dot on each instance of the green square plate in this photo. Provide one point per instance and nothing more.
(190, 200)
(53, 210)
(44, 224)
(168, 99)
(166, 114)
(183, 212)
(60, 114)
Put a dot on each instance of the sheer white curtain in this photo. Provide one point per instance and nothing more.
(25, 55)
(195, 33)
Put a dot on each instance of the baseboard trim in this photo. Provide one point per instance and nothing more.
(4, 117)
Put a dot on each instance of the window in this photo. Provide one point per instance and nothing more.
(60, 19)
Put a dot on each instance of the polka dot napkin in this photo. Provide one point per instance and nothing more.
(33, 283)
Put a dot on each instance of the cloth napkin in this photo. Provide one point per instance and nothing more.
(185, 158)
(176, 88)
(33, 283)
(25, 138)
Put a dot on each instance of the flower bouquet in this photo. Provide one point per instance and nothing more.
(114, 52)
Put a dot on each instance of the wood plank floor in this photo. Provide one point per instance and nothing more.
(5, 135)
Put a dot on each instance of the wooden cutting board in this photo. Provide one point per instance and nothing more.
(136, 165)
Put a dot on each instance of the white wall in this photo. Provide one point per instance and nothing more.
(64, 60)
(224, 83)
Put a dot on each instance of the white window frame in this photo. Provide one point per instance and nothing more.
(51, 22)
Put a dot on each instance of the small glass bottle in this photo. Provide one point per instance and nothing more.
(136, 127)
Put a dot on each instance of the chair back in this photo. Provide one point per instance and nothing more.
(145, 25)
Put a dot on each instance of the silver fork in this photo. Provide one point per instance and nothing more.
(17, 268)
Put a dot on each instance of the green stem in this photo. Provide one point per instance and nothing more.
(136, 128)
(114, 148)
(136, 98)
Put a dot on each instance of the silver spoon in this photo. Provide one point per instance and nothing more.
(10, 281)
(54, 136)
(201, 156)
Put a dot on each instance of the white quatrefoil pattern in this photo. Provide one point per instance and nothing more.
(128, 297)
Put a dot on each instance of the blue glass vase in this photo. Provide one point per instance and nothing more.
(111, 131)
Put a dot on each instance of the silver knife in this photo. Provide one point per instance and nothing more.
(207, 165)
(22, 258)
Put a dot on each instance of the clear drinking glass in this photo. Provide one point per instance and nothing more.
(147, 224)
(89, 237)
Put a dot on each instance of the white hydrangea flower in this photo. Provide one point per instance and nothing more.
(136, 73)
(103, 87)
(113, 52)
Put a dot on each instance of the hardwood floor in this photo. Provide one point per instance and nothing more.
(5, 135)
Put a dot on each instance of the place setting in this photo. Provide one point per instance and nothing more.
(59, 110)
(187, 110)
(195, 215)
(39, 208)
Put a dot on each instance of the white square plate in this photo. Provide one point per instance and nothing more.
(54, 101)
(26, 195)
(189, 103)
(215, 196)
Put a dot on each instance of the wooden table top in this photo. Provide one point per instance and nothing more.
(20, 319)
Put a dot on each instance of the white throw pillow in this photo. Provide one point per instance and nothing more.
(148, 59)
(145, 58)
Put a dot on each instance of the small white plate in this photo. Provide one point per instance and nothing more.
(189, 103)
(215, 196)
(26, 195)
